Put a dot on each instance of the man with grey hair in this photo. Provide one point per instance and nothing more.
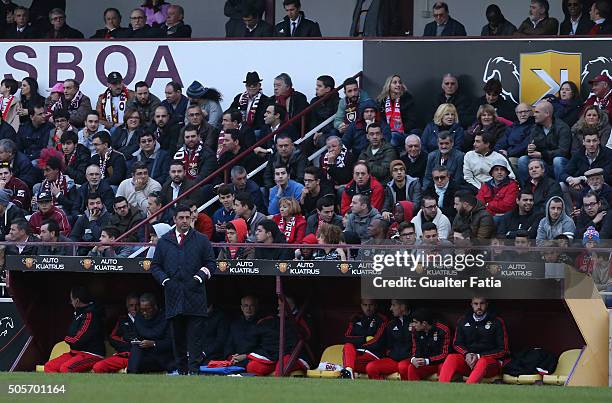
(175, 27)
(443, 24)
(513, 143)
(414, 158)
(451, 95)
(138, 26)
(21, 165)
(538, 22)
(240, 183)
(337, 163)
(59, 28)
(284, 94)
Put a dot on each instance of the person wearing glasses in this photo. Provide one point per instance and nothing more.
(513, 143)
(443, 24)
(156, 159)
(444, 188)
(61, 30)
(431, 213)
(576, 21)
(407, 233)
(138, 26)
(125, 139)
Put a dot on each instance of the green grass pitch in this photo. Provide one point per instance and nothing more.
(161, 388)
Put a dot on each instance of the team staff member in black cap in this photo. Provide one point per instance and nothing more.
(183, 261)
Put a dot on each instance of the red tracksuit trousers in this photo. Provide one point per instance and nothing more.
(111, 364)
(356, 360)
(409, 372)
(262, 367)
(455, 364)
(73, 361)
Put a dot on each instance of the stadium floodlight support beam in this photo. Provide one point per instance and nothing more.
(232, 162)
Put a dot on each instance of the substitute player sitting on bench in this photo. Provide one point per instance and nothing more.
(482, 343)
(363, 332)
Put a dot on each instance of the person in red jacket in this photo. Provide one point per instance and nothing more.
(430, 343)
(481, 343)
(602, 94)
(20, 194)
(47, 211)
(362, 183)
(290, 222)
(85, 336)
(363, 332)
(499, 194)
(121, 339)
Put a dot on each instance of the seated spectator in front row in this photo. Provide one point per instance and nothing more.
(499, 194)
(361, 216)
(473, 221)
(121, 338)
(521, 218)
(289, 220)
(285, 187)
(498, 24)
(267, 232)
(236, 232)
(556, 222)
(402, 187)
(244, 207)
(125, 218)
(241, 337)
(88, 227)
(20, 232)
(137, 188)
(362, 183)
(443, 24)
(47, 211)
(50, 232)
(85, 336)
(329, 235)
(430, 212)
(112, 25)
(224, 214)
(108, 235)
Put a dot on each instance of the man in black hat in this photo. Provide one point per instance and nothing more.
(252, 103)
(112, 103)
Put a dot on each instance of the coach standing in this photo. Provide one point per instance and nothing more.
(183, 261)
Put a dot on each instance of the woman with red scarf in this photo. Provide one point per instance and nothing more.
(290, 222)
(397, 107)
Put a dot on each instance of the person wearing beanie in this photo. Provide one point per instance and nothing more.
(499, 194)
(209, 100)
(401, 187)
(160, 230)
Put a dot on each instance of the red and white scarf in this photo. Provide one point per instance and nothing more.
(61, 183)
(190, 159)
(55, 138)
(248, 116)
(394, 115)
(112, 115)
(5, 104)
(288, 227)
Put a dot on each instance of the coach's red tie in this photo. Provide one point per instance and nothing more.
(181, 239)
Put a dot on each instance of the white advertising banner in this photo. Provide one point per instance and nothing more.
(219, 64)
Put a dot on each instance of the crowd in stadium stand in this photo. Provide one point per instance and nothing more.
(160, 19)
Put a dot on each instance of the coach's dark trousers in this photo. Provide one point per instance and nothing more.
(187, 339)
(144, 360)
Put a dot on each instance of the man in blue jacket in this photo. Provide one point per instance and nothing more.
(183, 261)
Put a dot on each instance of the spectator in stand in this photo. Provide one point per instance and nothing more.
(33, 135)
(314, 188)
(290, 221)
(61, 30)
(488, 122)
(472, 221)
(236, 9)
(443, 24)
(600, 15)
(568, 106)
(378, 234)
(236, 232)
(378, 154)
(9, 212)
(21, 28)
(166, 131)
(56, 93)
(9, 104)
(252, 103)
(349, 105)
(445, 119)
(150, 153)
(121, 338)
(20, 232)
(556, 222)
(464, 112)
(145, 102)
(498, 24)
(521, 218)
(232, 119)
(355, 136)
(199, 160)
(401, 187)
(596, 183)
(480, 347)
(112, 25)
(56, 183)
(267, 232)
(233, 146)
(209, 99)
(550, 141)
(513, 143)
(477, 163)
(376, 18)
(337, 162)
(245, 209)
(593, 120)
(112, 163)
(431, 213)
(397, 106)
(176, 103)
(108, 235)
(326, 109)
(95, 184)
(541, 185)
(602, 94)
(137, 188)
(576, 21)
(225, 213)
(362, 183)
(29, 97)
(200, 221)
(50, 232)
(500, 193)
(538, 22)
(85, 336)
(125, 218)
(359, 219)
(174, 26)
(88, 226)
(92, 126)
(448, 156)
(443, 188)
(325, 214)
(177, 183)
(285, 187)
(15, 189)
(112, 103)
(295, 24)
(47, 211)
(415, 159)
(156, 11)
(493, 96)
(75, 102)
(125, 139)
(285, 95)
(21, 165)
(593, 214)
(289, 156)
(240, 183)
(406, 234)
(138, 27)
(62, 125)
(250, 25)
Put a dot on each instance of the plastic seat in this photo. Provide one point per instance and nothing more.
(59, 349)
(564, 366)
(332, 354)
(522, 379)
(486, 380)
